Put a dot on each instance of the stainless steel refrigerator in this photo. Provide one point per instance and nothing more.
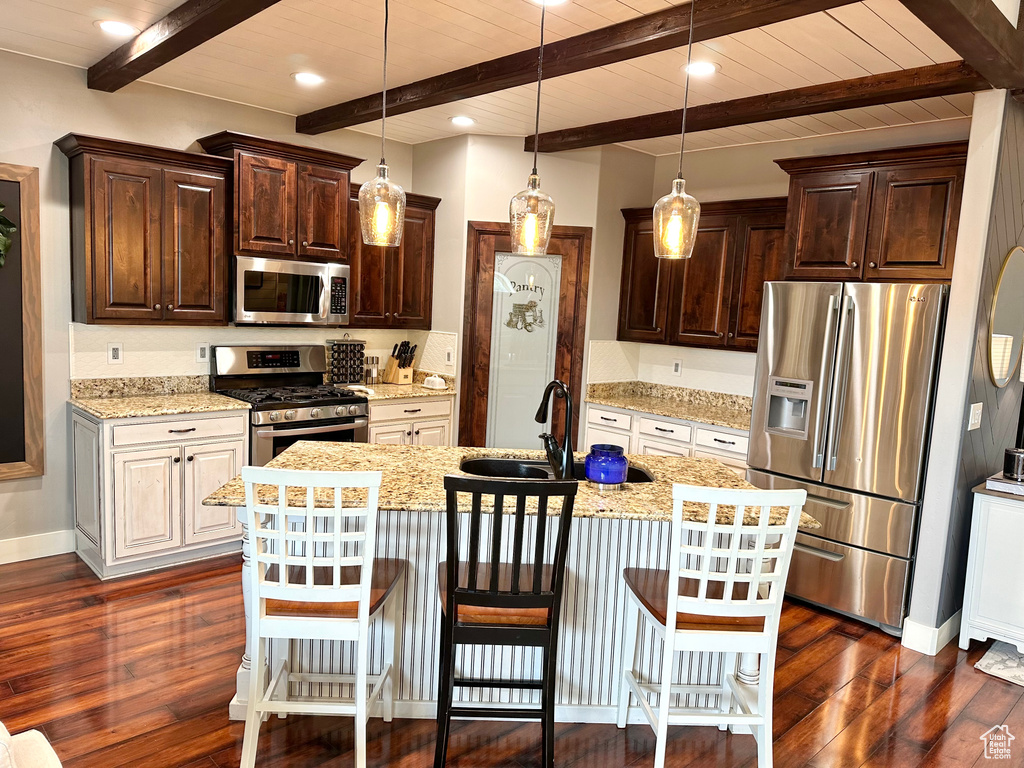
(843, 399)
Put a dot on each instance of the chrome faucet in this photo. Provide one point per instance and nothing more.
(560, 458)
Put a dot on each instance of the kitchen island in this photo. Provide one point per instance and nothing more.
(612, 530)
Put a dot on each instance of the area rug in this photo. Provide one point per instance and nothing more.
(1003, 660)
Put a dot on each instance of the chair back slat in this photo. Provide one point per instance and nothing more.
(735, 564)
(532, 578)
(316, 544)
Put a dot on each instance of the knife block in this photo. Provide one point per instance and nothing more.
(395, 375)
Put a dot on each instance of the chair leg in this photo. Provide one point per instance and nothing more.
(391, 631)
(632, 625)
(362, 662)
(728, 670)
(548, 707)
(444, 692)
(253, 717)
(664, 700)
(765, 692)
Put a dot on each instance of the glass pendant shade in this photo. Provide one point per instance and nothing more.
(675, 223)
(532, 216)
(382, 210)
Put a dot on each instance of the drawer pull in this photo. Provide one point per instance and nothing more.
(724, 442)
(181, 431)
(824, 554)
(608, 418)
(412, 410)
(662, 429)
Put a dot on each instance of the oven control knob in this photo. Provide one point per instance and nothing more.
(314, 413)
(289, 415)
(353, 410)
(341, 410)
(275, 416)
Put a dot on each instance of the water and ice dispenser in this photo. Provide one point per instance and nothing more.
(789, 407)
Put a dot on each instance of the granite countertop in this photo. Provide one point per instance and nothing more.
(413, 480)
(133, 406)
(719, 410)
(402, 391)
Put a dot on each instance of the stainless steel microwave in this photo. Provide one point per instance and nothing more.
(278, 292)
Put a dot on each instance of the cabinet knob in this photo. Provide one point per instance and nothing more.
(409, 434)
(156, 306)
(190, 458)
(720, 334)
(872, 264)
(170, 306)
(417, 431)
(853, 264)
(291, 242)
(177, 459)
(730, 335)
(387, 314)
(304, 243)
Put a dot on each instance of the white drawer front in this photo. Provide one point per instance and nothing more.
(598, 436)
(414, 411)
(664, 430)
(655, 448)
(722, 441)
(183, 429)
(609, 419)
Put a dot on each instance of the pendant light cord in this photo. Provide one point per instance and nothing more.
(384, 90)
(540, 77)
(686, 92)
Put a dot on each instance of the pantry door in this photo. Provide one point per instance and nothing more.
(525, 321)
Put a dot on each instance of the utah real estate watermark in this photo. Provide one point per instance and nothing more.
(997, 742)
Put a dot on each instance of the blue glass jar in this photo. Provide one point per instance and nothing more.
(606, 465)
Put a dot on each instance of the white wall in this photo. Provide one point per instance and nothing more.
(42, 102)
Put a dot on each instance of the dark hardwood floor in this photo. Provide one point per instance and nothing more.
(138, 672)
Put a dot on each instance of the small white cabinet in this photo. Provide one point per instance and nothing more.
(139, 485)
(993, 597)
(414, 421)
(647, 447)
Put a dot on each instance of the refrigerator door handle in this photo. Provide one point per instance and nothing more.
(819, 431)
(843, 357)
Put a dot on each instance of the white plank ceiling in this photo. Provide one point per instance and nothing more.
(340, 40)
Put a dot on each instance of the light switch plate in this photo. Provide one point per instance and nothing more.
(115, 353)
(975, 421)
(202, 352)
(677, 367)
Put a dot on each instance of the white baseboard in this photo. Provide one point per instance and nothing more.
(40, 545)
(930, 640)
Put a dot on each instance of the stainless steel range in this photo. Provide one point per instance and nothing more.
(290, 402)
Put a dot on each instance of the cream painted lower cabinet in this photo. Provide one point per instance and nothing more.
(138, 492)
(417, 421)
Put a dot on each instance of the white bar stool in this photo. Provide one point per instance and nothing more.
(722, 594)
(314, 577)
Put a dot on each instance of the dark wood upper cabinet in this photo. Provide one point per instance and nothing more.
(890, 215)
(712, 299)
(701, 287)
(394, 287)
(289, 201)
(829, 224)
(644, 297)
(149, 238)
(761, 258)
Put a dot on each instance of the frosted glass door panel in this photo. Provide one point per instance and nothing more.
(524, 334)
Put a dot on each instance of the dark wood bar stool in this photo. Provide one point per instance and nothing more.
(500, 603)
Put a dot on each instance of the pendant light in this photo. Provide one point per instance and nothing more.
(381, 201)
(532, 212)
(677, 213)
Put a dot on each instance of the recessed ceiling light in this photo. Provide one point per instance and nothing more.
(307, 78)
(117, 28)
(702, 68)
(463, 121)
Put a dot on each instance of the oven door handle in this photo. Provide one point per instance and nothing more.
(266, 432)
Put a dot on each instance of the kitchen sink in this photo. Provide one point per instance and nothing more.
(531, 469)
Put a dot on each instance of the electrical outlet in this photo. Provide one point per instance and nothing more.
(449, 356)
(677, 367)
(115, 353)
(202, 352)
(975, 421)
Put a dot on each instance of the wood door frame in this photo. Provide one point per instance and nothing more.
(477, 324)
(32, 323)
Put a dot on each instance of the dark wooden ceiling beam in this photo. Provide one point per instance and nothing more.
(980, 33)
(644, 35)
(184, 28)
(888, 88)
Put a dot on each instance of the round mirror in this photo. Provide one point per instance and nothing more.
(1006, 324)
